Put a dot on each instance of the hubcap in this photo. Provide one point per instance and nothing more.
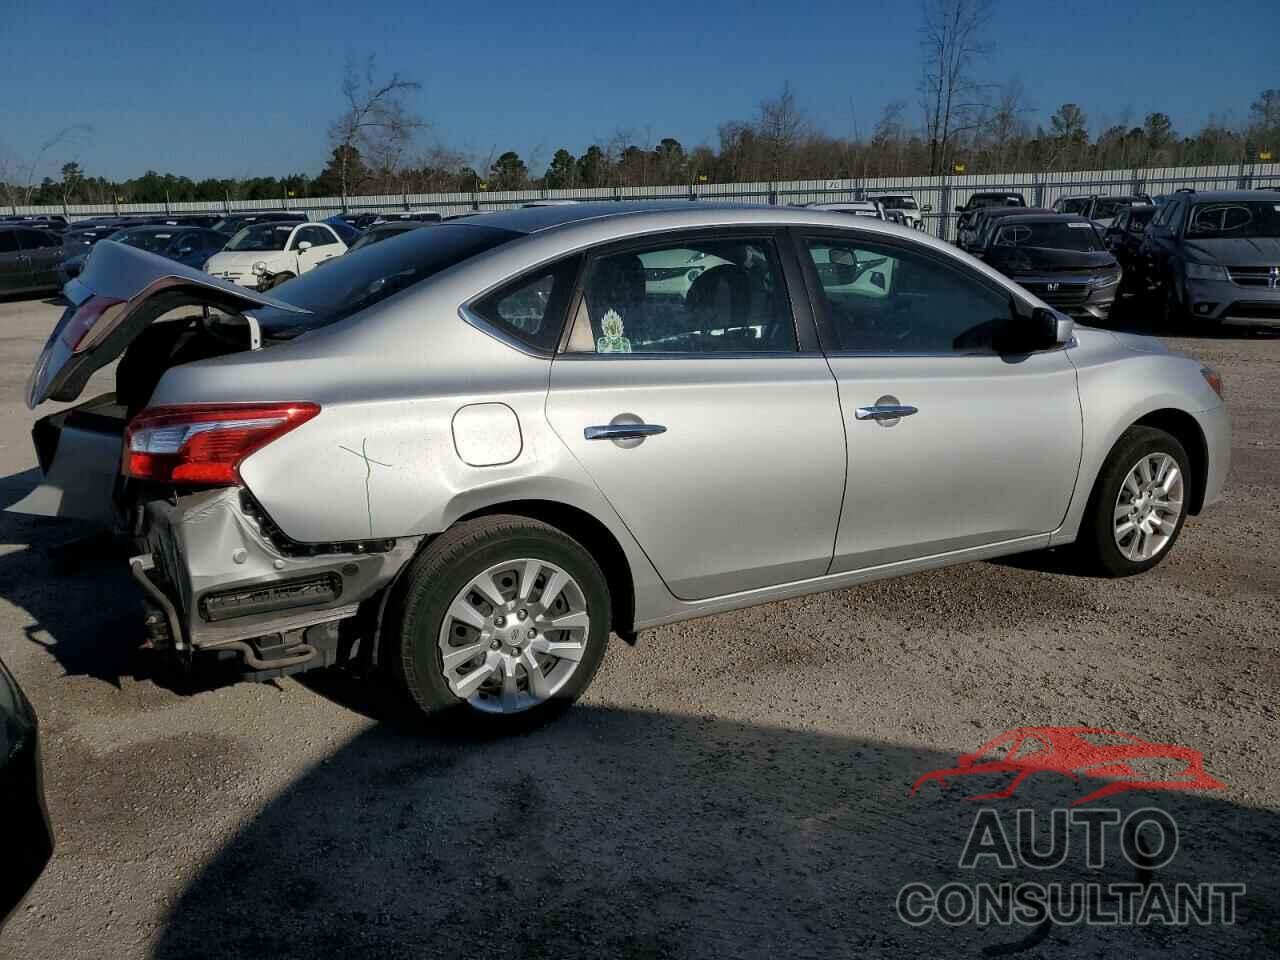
(514, 636)
(1148, 507)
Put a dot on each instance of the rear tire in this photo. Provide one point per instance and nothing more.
(479, 595)
(1137, 507)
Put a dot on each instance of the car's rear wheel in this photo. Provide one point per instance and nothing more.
(1138, 504)
(503, 622)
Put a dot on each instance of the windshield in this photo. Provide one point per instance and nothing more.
(362, 278)
(899, 203)
(152, 241)
(978, 202)
(1228, 219)
(1108, 207)
(1055, 236)
(261, 236)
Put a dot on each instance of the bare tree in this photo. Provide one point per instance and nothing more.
(780, 125)
(18, 180)
(1004, 124)
(952, 41)
(376, 121)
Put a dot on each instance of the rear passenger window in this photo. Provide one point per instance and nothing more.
(531, 309)
(713, 295)
(885, 300)
(8, 241)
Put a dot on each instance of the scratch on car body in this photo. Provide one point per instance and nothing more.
(363, 454)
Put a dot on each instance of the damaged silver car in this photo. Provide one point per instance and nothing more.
(468, 454)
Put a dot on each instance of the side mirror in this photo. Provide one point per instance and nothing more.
(304, 246)
(1058, 327)
(959, 209)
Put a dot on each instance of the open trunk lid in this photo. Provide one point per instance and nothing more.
(112, 302)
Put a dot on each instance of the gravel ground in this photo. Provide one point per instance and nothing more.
(736, 786)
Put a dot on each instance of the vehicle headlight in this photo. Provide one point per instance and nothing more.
(259, 268)
(1106, 281)
(1206, 271)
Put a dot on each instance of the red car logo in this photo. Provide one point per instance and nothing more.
(1126, 762)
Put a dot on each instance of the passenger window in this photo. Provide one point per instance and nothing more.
(38, 239)
(714, 295)
(885, 300)
(8, 241)
(532, 308)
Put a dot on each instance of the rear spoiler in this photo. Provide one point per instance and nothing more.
(113, 301)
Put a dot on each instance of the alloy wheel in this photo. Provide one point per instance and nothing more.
(1148, 507)
(514, 635)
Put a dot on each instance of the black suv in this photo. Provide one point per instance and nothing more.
(999, 198)
(1215, 257)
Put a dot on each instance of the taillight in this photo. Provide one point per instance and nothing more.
(1213, 379)
(204, 444)
(92, 321)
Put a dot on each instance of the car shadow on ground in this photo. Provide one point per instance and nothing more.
(72, 580)
(624, 833)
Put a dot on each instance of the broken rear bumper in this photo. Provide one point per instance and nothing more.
(229, 577)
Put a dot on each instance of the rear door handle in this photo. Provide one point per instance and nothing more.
(884, 411)
(623, 431)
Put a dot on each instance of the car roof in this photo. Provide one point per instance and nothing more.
(1048, 218)
(989, 212)
(666, 214)
(1216, 195)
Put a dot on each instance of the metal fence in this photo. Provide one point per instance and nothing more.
(941, 195)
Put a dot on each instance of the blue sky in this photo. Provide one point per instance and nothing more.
(231, 89)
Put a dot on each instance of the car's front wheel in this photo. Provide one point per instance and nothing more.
(503, 622)
(1138, 504)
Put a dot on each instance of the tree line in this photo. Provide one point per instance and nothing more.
(964, 124)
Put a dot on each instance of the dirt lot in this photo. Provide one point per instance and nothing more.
(733, 787)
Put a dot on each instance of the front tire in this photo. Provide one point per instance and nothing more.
(502, 623)
(1138, 505)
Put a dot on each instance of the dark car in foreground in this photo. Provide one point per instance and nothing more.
(29, 259)
(189, 245)
(1059, 258)
(1124, 239)
(28, 838)
(1214, 258)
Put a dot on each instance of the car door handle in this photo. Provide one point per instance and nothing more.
(884, 411)
(623, 431)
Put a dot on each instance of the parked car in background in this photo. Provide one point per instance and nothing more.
(29, 259)
(416, 216)
(1124, 239)
(984, 220)
(277, 251)
(1101, 210)
(24, 820)
(1061, 259)
(346, 233)
(512, 434)
(979, 201)
(234, 223)
(383, 232)
(41, 221)
(190, 245)
(912, 212)
(1214, 258)
(857, 208)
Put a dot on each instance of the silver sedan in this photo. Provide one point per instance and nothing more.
(470, 453)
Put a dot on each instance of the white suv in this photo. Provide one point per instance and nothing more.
(277, 250)
(912, 213)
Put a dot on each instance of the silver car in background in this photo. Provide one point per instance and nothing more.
(468, 454)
